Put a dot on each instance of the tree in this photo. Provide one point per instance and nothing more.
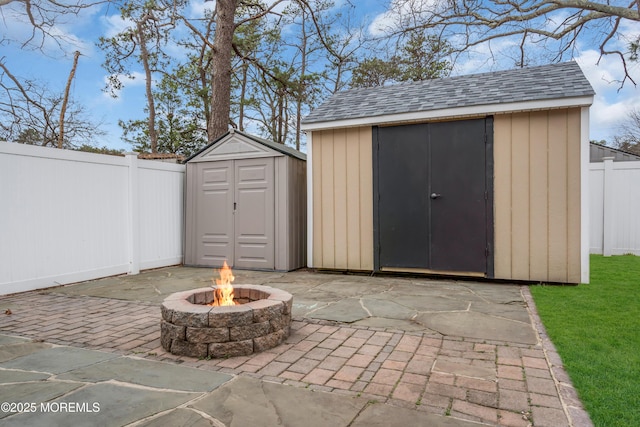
(242, 58)
(420, 57)
(237, 70)
(557, 25)
(221, 68)
(43, 16)
(628, 138)
(223, 23)
(30, 112)
(179, 126)
(99, 150)
(281, 82)
(141, 43)
(65, 99)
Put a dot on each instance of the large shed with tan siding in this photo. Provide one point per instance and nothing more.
(480, 175)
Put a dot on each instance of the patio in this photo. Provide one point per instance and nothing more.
(362, 351)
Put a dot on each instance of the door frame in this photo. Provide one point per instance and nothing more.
(489, 189)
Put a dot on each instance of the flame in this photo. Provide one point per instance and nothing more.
(223, 295)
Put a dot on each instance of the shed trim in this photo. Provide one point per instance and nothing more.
(477, 110)
(584, 196)
(274, 148)
(309, 201)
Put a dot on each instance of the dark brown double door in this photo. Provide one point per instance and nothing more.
(433, 207)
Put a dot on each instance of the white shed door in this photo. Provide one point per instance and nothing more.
(254, 213)
(214, 208)
(235, 213)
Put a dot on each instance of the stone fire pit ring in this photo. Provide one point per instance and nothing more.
(259, 322)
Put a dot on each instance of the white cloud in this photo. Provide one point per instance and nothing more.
(198, 8)
(115, 24)
(136, 80)
(401, 14)
(489, 56)
(612, 102)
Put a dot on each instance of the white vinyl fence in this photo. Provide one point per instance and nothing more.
(614, 207)
(68, 216)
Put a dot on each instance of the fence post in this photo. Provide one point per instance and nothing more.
(608, 221)
(133, 220)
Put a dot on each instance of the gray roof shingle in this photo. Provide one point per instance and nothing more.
(547, 82)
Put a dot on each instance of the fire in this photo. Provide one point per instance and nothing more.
(223, 294)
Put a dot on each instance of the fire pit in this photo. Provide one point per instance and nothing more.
(194, 323)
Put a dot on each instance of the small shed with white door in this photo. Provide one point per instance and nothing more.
(246, 205)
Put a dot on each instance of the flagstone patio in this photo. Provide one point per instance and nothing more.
(399, 350)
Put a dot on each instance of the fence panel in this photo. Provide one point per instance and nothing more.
(67, 216)
(161, 213)
(615, 207)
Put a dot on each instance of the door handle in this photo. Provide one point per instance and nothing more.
(435, 195)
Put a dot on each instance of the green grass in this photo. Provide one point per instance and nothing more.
(596, 330)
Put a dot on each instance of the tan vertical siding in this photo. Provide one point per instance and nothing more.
(327, 203)
(365, 143)
(520, 190)
(537, 196)
(558, 198)
(539, 187)
(502, 196)
(340, 198)
(353, 197)
(343, 199)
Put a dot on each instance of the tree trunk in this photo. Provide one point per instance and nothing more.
(303, 84)
(221, 69)
(144, 55)
(65, 100)
(243, 91)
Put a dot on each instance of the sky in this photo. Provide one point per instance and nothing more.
(52, 65)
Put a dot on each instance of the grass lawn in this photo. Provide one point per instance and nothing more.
(596, 330)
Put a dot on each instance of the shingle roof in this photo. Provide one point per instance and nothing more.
(556, 81)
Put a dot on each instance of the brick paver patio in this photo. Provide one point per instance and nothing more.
(491, 382)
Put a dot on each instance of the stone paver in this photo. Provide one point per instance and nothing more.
(441, 363)
(116, 405)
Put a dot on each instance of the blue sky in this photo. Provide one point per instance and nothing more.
(52, 65)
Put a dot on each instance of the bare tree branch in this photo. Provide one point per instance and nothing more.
(65, 100)
(471, 23)
(43, 17)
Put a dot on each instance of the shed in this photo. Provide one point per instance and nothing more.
(246, 204)
(479, 175)
(599, 152)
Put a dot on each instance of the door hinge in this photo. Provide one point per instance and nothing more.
(486, 251)
(234, 205)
